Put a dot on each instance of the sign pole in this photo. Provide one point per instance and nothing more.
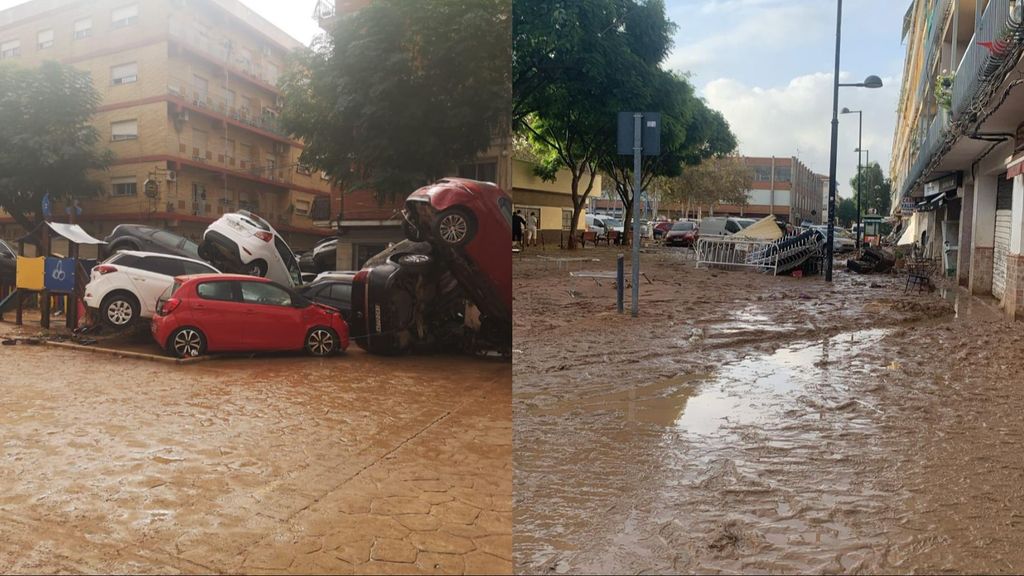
(637, 161)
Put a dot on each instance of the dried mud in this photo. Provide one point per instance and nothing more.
(759, 424)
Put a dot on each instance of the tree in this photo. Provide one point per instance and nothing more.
(876, 189)
(690, 133)
(47, 145)
(400, 92)
(846, 212)
(575, 64)
(716, 180)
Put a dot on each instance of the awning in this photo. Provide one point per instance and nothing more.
(763, 229)
(70, 232)
(910, 233)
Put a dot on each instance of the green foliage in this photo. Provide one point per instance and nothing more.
(718, 179)
(846, 212)
(876, 190)
(577, 63)
(46, 142)
(401, 92)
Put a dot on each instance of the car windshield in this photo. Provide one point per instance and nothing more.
(612, 223)
(745, 223)
(254, 220)
(683, 226)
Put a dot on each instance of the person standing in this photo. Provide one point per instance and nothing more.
(517, 227)
(531, 229)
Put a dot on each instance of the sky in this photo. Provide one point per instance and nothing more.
(767, 66)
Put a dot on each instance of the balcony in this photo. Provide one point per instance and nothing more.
(980, 62)
(201, 100)
(218, 51)
(936, 21)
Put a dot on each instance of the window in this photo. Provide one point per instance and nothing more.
(123, 187)
(44, 39)
(762, 173)
(302, 207)
(340, 292)
(245, 152)
(83, 28)
(483, 171)
(216, 291)
(124, 130)
(200, 89)
(197, 268)
(782, 173)
(200, 141)
(166, 266)
(271, 73)
(566, 219)
(124, 74)
(263, 293)
(10, 49)
(229, 98)
(229, 148)
(124, 16)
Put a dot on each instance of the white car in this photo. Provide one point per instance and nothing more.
(842, 241)
(243, 243)
(126, 286)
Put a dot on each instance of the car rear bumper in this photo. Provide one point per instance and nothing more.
(161, 327)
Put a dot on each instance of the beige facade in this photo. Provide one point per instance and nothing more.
(189, 101)
(552, 201)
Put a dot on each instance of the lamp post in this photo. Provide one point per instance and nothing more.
(869, 82)
(860, 134)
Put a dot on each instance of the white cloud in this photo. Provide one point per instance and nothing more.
(795, 120)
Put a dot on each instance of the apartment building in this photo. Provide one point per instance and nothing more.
(958, 147)
(550, 200)
(365, 223)
(190, 101)
(783, 187)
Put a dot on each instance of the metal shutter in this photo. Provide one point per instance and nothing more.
(1004, 204)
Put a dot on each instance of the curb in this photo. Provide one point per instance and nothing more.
(127, 354)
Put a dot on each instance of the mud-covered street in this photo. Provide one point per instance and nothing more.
(759, 424)
(276, 464)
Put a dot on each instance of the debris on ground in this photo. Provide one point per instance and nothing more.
(872, 259)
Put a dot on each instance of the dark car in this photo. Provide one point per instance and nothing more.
(469, 224)
(321, 257)
(661, 228)
(334, 291)
(8, 263)
(148, 239)
(681, 234)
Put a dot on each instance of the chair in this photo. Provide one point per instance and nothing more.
(919, 272)
(588, 236)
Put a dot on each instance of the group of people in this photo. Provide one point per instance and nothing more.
(519, 224)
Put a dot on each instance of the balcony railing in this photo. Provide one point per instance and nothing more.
(978, 62)
(218, 49)
(931, 140)
(932, 44)
(203, 98)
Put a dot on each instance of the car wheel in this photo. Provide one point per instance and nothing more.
(454, 227)
(321, 342)
(256, 268)
(187, 342)
(204, 251)
(415, 263)
(119, 310)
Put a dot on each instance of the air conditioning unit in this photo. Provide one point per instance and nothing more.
(172, 176)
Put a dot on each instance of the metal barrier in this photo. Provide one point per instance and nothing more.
(726, 252)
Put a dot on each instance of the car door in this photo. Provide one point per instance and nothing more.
(220, 314)
(150, 277)
(272, 323)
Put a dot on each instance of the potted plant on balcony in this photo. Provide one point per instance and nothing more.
(944, 91)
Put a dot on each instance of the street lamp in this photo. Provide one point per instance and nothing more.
(860, 133)
(869, 82)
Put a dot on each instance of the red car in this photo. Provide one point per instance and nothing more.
(234, 313)
(469, 223)
(682, 233)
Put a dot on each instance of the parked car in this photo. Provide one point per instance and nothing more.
(149, 239)
(612, 224)
(126, 286)
(243, 243)
(334, 290)
(467, 222)
(8, 263)
(321, 257)
(723, 225)
(682, 233)
(596, 224)
(842, 241)
(661, 228)
(224, 313)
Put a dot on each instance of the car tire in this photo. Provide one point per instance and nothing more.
(204, 251)
(415, 263)
(321, 342)
(256, 268)
(454, 227)
(120, 310)
(186, 342)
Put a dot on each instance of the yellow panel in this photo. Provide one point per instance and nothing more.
(30, 273)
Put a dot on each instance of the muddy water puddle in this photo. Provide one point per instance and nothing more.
(760, 465)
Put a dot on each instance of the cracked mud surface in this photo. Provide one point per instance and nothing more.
(753, 424)
(282, 464)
